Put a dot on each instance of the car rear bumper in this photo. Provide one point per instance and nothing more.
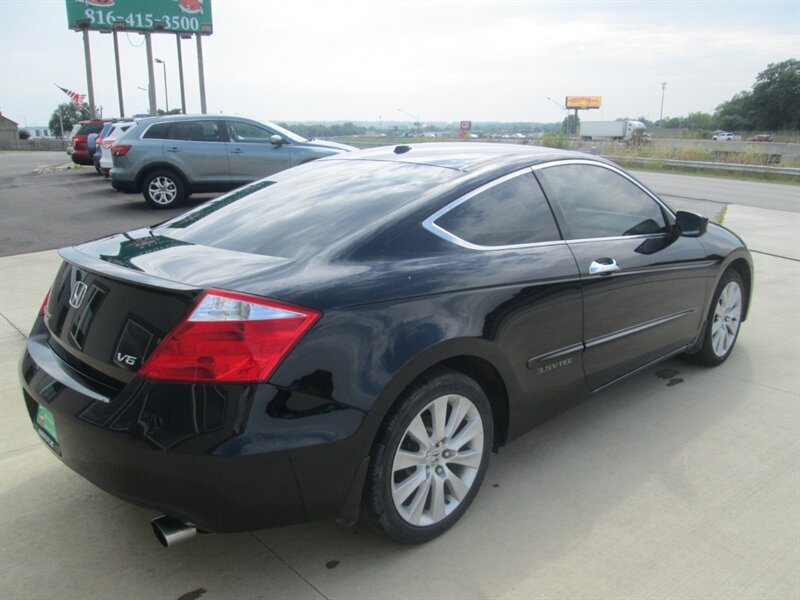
(81, 158)
(224, 458)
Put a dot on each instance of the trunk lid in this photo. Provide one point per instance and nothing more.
(114, 300)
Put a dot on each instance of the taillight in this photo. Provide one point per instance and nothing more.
(79, 142)
(231, 338)
(107, 142)
(43, 307)
(120, 149)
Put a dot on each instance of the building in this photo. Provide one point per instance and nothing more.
(9, 133)
(38, 131)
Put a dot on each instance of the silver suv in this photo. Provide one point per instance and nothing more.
(168, 158)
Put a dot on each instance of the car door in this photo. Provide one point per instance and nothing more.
(536, 319)
(197, 148)
(251, 153)
(643, 285)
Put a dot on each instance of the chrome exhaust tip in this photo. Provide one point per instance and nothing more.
(170, 531)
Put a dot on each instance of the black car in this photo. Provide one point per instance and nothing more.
(353, 336)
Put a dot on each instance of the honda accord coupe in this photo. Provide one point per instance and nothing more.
(353, 337)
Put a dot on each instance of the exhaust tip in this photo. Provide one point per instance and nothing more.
(170, 531)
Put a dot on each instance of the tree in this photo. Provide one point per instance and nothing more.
(24, 134)
(774, 102)
(698, 121)
(69, 116)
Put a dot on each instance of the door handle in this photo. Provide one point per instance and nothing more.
(173, 149)
(603, 266)
(237, 151)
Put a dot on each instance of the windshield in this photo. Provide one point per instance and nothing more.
(306, 209)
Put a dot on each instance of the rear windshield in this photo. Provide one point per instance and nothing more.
(88, 128)
(303, 210)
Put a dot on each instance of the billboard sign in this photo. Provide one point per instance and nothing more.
(583, 101)
(170, 16)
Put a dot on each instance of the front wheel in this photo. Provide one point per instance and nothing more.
(163, 189)
(723, 321)
(430, 458)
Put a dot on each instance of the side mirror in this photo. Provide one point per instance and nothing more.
(276, 140)
(690, 224)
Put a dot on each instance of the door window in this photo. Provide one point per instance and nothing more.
(248, 133)
(196, 131)
(511, 213)
(597, 202)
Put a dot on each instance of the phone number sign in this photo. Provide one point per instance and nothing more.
(171, 16)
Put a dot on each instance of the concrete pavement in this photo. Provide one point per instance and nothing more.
(681, 482)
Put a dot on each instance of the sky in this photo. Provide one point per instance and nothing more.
(439, 61)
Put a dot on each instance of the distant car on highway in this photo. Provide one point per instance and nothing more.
(169, 158)
(726, 136)
(760, 138)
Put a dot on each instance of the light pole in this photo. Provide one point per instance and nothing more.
(566, 112)
(413, 116)
(163, 63)
(663, 89)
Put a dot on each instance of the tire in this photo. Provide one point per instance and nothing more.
(426, 470)
(163, 189)
(723, 321)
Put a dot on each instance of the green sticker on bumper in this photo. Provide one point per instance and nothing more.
(44, 419)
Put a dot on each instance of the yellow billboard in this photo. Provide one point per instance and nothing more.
(583, 101)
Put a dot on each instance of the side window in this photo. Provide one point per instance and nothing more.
(247, 133)
(159, 131)
(597, 202)
(196, 131)
(507, 214)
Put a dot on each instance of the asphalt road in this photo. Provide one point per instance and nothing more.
(50, 207)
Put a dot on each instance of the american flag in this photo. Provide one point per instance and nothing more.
(76, 97)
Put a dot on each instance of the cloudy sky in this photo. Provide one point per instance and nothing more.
(443, 61)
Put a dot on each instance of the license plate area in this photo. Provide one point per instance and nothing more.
(46, 428)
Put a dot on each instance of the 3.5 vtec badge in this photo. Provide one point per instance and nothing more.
(555, 365)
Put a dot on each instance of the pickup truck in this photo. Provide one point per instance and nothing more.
(726, 136)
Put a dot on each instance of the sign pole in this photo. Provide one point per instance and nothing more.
(151, 80)
(201, 75)
(180, 72)
(119, 75)
(88, 58)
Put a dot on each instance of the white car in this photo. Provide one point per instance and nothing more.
(116, 132)
(726, 136)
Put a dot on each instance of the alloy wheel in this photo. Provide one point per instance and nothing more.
(437, 460)
(727, 316)
(162, 190)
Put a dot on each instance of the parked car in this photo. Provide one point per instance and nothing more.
(726, 136)
(762, 137)
(71, 137)
(117, 130)
(360, 332)
(80, 140)
(168, 158)
(95, 145)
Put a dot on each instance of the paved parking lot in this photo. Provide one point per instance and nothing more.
(682, 482)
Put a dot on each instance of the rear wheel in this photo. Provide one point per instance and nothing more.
(431, 458)
(163, 189)
(723, 321)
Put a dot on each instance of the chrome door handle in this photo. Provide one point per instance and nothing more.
(173, 149)
(603, 266)
(237, 151)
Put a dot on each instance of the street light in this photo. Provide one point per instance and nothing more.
(163, 63)
(566, 112)
(663, 89)
(413, 116)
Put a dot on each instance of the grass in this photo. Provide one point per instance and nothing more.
(622, 151)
